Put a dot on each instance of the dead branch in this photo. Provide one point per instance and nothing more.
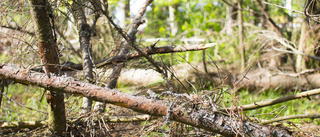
(283, 7)
(209, 120)
(109, 119)
(271, 102)
(312, 116)
(18, 29)
(273, 24)
(152, 51)
(128, 41)
(23, 124)
(134, 55)
(122, 119)
(21, 105)
(303, 72)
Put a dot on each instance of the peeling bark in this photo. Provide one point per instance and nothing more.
(43, 21)
(210, 120)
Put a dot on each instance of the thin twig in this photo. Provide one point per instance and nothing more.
(282, 7)
(312, 116)
(249, 10)
(18, 29)
(244, 76)
(270, 20)
(277, 100)
(21, 105)
(148, 51)
(300, 73)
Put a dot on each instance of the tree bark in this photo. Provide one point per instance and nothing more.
(241, 37)
(207, 119)
(300, 64)
(43, 21)
(173, 22)
(84, 38)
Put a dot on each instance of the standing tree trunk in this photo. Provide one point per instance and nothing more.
(241, 44)
(231, 16)
(84, 38)
(288, 5)
(173, 28)
(43, 22)
(124, 12)
(173, 22)
(300, 64)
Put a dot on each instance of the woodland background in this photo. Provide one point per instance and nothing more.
(185, 59)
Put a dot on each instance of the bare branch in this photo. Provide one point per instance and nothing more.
(271, 102)
(311, 116)
(206, 119)
(229, 4)
(155, 50)
(282, 7)
(274, 25)
(147, 51)
(21, 105)
(23, 124)
(18, 29)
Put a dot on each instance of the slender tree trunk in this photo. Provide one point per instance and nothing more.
(173, 28)
(173, 22)
(123, 12)
(43, 21)
(231, 17)
(228, 23)
(264, 20)
(289, 6)
(84, 38)
(300, 65)
(241, 36)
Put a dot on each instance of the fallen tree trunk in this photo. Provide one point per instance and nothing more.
(23, 124)
(210, 120)
(265, 79)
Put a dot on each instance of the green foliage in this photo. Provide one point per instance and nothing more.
(30, 96)
(26, 95)
(189, 16)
